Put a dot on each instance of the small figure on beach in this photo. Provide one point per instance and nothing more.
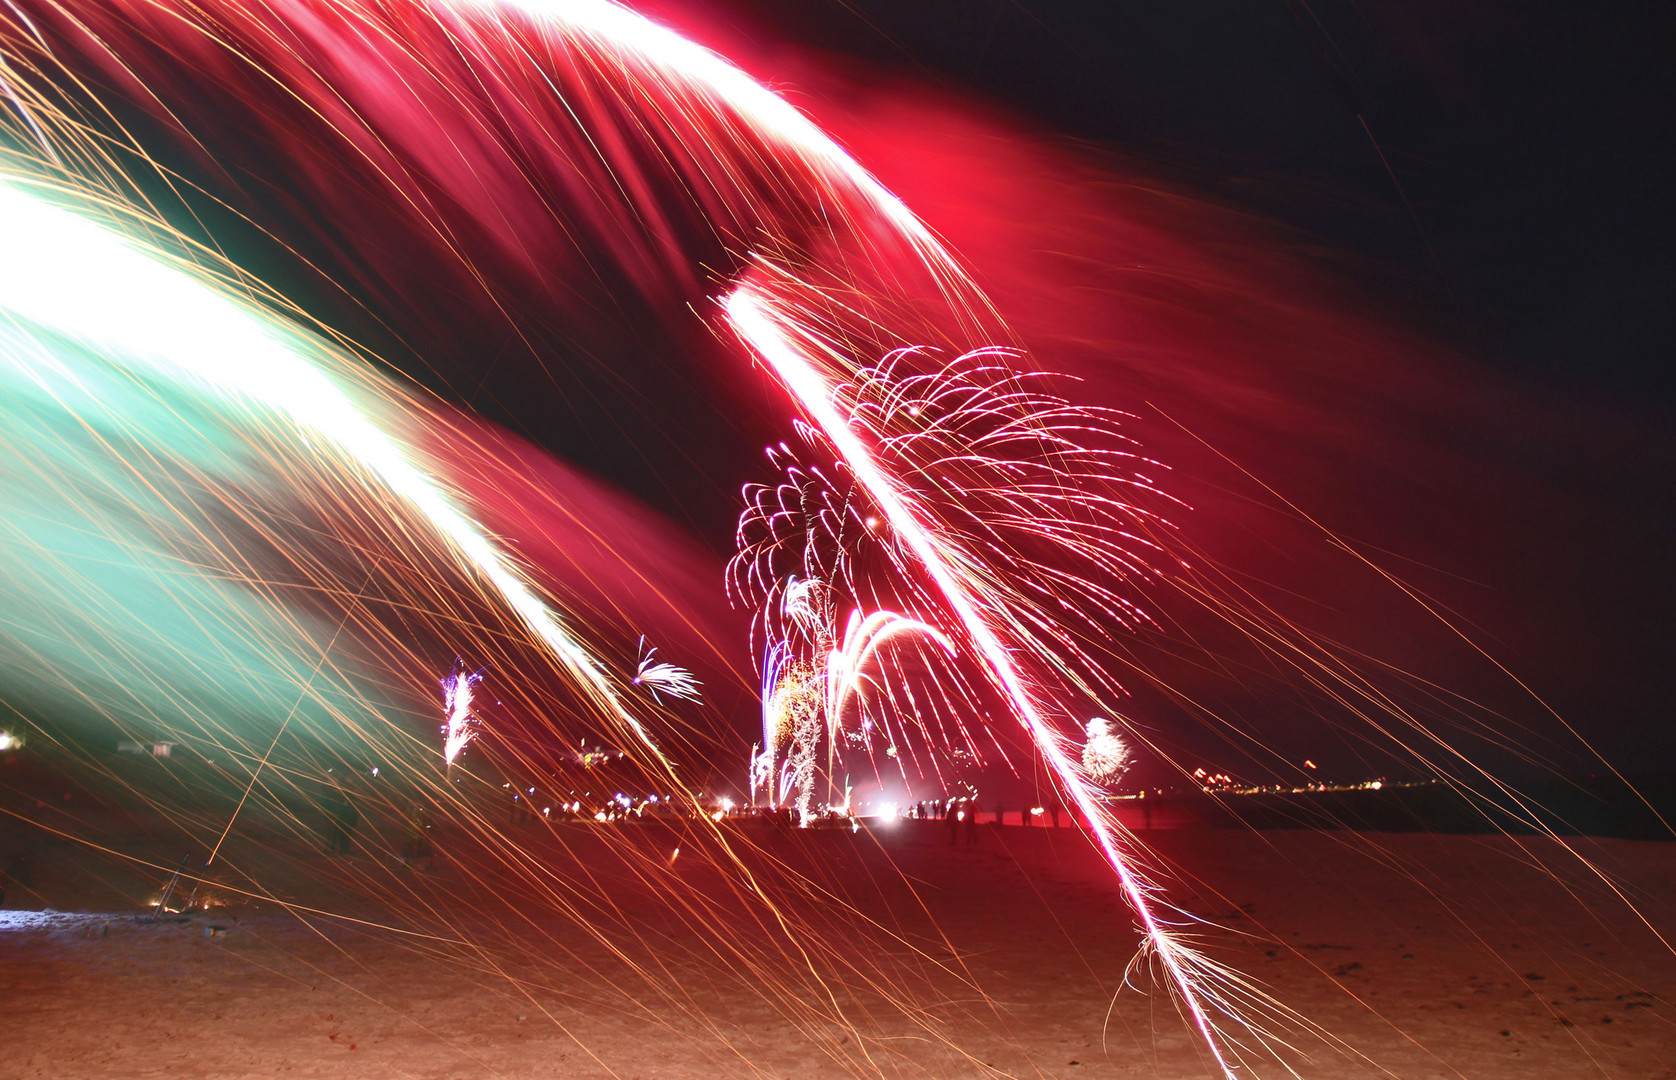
(416, 849)
(341, 819)
(972, 809)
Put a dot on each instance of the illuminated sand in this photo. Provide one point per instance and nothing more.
(1017, 954)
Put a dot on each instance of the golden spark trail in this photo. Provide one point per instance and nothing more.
(68, 276)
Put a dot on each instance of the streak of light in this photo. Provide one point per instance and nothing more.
(766, 331)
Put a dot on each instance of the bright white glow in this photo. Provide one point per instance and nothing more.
(5, 740)
(67, 275)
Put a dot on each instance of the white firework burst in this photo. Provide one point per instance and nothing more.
(659, 677)
(1105, 756)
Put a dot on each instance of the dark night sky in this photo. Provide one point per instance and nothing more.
(1512, 158)
(1490, 176)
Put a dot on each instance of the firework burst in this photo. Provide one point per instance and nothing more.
(969, 582)
(1047, 507)
(658, 676)
(461, 723)
(1105, 755)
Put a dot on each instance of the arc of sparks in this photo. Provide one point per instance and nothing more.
(771, 335)
(627, 32)
(660, 675)
(67, 275)
(862, 638)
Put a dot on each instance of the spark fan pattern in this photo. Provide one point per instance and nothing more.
(461, 724)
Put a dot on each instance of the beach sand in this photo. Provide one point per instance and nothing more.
(1416, 955)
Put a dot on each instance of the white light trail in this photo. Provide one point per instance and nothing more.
(764, 329)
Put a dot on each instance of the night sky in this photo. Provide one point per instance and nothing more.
(1510, 161)
(1440, 231)
(1492, 178)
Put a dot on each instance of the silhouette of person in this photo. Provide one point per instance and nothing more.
(341, 819)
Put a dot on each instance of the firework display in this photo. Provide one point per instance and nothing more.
(1104, 756)
(461, 724)
(243, 535)
(657, 675)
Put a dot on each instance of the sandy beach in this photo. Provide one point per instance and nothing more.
(1406, 955)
